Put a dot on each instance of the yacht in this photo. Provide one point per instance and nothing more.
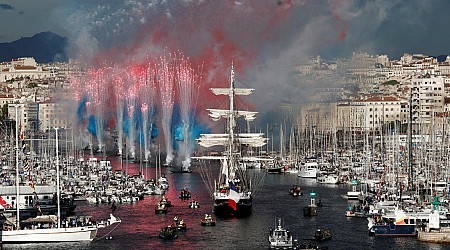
(308, 169)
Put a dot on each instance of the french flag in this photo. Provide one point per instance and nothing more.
(233, 197)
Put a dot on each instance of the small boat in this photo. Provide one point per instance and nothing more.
(275, 168)
(208, 220)
(350, 213)
(168, 233)
(161, 209)
(185, 194)
(280, 238)
(328, 179)
(295, 191)
(180, 170)
(358, 212)
(194, 205)
(165, 201)
(322, 234)
(180, 225)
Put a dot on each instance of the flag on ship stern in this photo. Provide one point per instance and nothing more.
(233, 197)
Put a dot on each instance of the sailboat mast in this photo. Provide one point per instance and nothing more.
(58, 192)
(17, 171)
(231, 125)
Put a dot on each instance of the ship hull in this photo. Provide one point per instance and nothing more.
(49, 235)
(223, 209)
(394, 230)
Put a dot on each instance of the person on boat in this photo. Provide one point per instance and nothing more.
(113, 206)
(175, 219)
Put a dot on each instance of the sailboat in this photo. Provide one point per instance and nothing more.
(48, 228)
(232, 191)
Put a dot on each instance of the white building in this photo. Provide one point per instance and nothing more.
(53, 114)
(24, 68)
(427, 97)
(371, 113)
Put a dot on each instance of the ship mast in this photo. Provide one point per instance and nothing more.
(231, 128)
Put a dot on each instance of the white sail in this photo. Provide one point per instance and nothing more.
(229, 91)
(216, 114)
(250, 139)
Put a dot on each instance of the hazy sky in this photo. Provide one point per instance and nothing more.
(381, 27)
(264, 38)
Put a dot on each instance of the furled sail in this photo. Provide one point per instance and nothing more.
(228, 91)
(216, 114)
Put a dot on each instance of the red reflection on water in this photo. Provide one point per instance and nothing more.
(140, 225)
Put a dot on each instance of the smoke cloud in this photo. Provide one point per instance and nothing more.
(264, 39)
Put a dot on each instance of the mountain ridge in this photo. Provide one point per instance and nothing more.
(45, 47)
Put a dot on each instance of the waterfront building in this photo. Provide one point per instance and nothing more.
(427, 98)
(53, 114)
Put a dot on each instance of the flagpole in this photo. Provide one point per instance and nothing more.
(58, 192)
(17, 170)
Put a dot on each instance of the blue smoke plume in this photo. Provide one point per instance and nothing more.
(91, 126)
(81, 110)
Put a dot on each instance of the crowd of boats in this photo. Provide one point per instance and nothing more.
(392, 209)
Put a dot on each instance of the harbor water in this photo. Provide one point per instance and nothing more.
(140, 225)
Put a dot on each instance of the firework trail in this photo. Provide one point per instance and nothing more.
(147, 95)
(131, 103)
(186, 82)
(119, 87)
(99, 96)
(165, 78)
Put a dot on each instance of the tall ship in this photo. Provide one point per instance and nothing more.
(233, 190)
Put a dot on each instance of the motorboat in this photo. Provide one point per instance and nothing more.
(322, 234)
(208, 220)
(194, 204)
(168, 233)
(160, 209)
(280, 238)
(328, 179)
